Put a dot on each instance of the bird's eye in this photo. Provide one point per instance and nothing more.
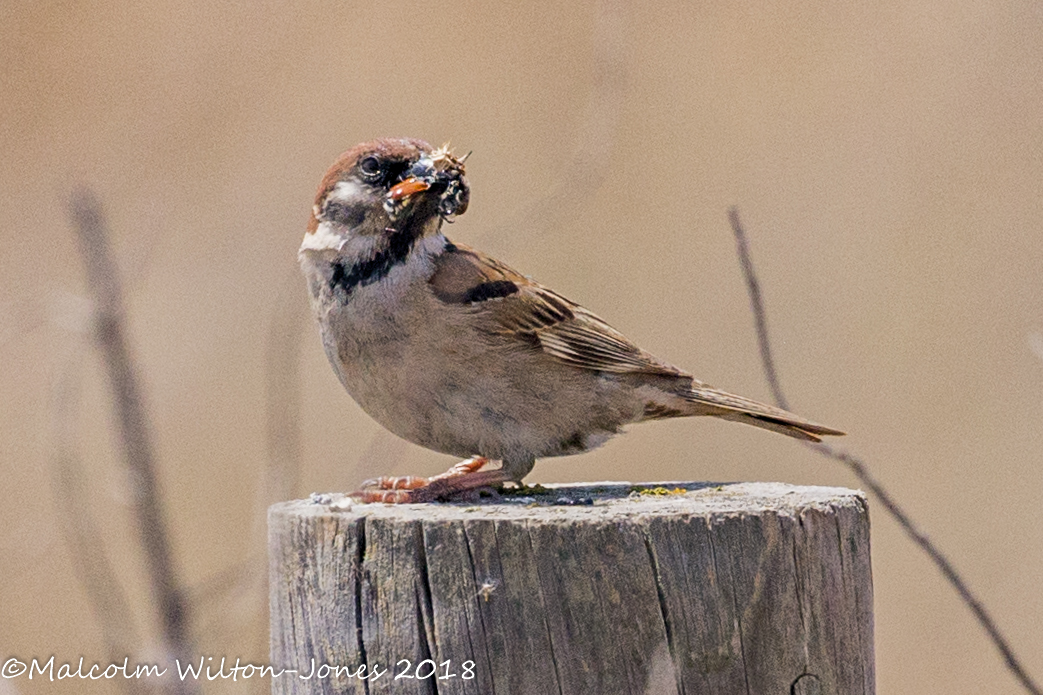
(372, 168)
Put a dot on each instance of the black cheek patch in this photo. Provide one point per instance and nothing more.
(343, 214)
(490, 290)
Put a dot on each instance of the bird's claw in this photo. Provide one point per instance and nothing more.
(462, 482)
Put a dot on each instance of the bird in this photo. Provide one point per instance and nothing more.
(453, 350)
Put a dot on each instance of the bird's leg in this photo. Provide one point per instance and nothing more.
(518, 467)
(464, 476)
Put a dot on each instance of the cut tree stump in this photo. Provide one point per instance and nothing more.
(752, 588)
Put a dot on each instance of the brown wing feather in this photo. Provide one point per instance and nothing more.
(516, 304)
(587, 341)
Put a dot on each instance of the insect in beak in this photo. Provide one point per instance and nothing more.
(407, 188)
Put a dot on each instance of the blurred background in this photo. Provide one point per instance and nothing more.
(886, 159)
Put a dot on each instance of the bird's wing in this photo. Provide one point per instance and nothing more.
(515, 305)
(518, 308)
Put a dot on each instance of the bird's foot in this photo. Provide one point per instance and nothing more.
(465, 477)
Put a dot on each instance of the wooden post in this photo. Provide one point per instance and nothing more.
(606, 588)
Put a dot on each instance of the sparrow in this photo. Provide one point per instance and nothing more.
(457, 352)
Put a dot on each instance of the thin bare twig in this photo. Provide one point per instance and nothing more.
(75, 517)
(861, 471)
(760, 318)
(133, 425)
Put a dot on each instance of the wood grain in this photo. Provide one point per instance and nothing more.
(596, 588)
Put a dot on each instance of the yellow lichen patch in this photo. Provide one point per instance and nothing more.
(658, 491)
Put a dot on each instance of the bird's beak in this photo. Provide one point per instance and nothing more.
(440, 176)
(409, 187)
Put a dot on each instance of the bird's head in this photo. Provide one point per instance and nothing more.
(386, 189)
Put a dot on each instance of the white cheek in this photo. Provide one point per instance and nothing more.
(347, 192)
(323, 239)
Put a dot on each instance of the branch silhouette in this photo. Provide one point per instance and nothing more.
(79, 529)
(857, 466)
(134, 428)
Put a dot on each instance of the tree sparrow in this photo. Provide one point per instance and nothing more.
(457, 352)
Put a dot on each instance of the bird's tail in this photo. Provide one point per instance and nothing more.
(728, 406)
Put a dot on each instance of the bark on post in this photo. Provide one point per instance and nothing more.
(595, 588)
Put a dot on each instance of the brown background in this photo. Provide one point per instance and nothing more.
(887, 158)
